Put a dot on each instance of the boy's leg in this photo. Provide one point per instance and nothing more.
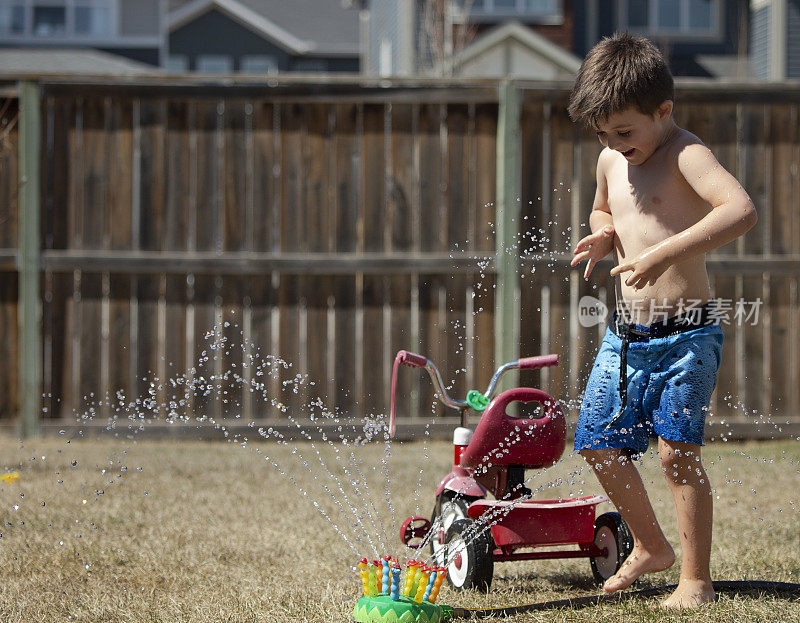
(691, 493)
(623, 484)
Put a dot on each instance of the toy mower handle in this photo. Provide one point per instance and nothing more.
(403, 358)
(542, 361)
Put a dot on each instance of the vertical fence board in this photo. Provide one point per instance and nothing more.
(233, 172)
(430, 178)
(265, 164)
(401, 180)
(293, 210)
(178, 177)
(373, 178)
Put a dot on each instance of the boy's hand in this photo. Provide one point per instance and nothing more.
(594, 247)
(645, 268)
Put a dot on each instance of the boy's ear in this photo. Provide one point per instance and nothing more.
(664, 110)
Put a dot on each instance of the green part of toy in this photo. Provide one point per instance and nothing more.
(383, 609)
(477, 400)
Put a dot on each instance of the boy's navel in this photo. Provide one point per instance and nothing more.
(657, 200)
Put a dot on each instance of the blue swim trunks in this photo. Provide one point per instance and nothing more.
(670, 381)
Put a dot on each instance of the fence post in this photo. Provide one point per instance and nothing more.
(29, 307)
(507, 213)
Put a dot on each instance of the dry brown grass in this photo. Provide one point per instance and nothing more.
(179, 531)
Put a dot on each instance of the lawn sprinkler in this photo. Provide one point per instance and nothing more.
(387, 599)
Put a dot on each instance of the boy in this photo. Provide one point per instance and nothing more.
(662, 201)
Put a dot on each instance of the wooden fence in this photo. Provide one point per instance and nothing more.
(194, 231)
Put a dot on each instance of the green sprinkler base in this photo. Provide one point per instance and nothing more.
(382, 609)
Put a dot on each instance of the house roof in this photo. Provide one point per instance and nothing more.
(303, 27)
(73, 61)
(550, 52)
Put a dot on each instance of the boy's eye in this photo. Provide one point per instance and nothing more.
(624, 133)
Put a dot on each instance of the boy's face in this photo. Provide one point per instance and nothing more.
(634, 134)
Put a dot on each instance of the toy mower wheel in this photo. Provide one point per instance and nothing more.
(612, 534)
(448, 509)
(470, 558)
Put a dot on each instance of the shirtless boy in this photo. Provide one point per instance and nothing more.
(662, 202)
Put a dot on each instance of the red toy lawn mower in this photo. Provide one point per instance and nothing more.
(468, 532)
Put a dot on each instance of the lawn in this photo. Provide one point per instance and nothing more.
(125, 530)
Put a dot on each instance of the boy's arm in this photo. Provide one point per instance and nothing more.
(732, 215)
(600, 242)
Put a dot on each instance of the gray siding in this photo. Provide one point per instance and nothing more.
(214, 33)
(759, 42)
(139, 18)
(793, 39)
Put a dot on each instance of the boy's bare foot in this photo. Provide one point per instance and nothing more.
(690, 594)
(639, 562)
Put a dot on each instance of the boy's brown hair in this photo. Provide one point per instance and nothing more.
(620, 72)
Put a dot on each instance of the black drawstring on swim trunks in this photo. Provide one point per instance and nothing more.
(630, 332)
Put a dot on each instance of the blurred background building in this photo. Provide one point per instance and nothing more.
(537, 39)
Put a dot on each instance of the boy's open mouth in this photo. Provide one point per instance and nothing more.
(628, 153)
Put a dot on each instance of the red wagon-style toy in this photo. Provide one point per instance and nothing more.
(492, 459)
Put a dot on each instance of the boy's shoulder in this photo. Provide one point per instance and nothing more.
(682, 146)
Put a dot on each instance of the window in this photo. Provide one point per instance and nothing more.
(58, 19)
(177, 63)
(12, 19)
(671, 17)
(49, 21)
(259, 65)
(92, 18)
(214, 64)
(547, 9)
(309, 64)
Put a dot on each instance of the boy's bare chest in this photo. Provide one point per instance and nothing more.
(652, 202)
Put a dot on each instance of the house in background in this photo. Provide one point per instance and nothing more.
(132, 29)
(774, 40)
(707, 38)
(219, 36)
(262, 36)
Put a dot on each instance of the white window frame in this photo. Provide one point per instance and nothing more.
(214, 57)
(271, 60)
(70, 36)
(489, 10)
(683, 32)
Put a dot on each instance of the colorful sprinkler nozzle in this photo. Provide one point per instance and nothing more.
(385, 581)
(395, 591)
(423, 584)
(373, 579)
(411, 571)
(362, 569)
(429, 587)
(441, 572)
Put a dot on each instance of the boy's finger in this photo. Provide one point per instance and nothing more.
(579, 258)
(620, 268)
(583, 243)
(589, 266)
